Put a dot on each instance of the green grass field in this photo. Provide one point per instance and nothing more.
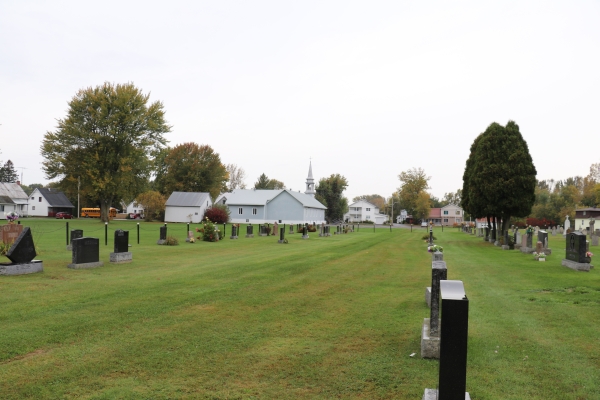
(334, 317)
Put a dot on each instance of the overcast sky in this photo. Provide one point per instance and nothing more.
(367, 89)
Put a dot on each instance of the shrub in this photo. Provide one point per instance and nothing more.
(209, 231)
(312, 228)
(543, 222)
(171, 241)
(218, 214)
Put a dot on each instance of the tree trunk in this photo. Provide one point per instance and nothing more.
(104, 209)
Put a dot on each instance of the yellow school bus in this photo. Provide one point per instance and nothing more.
(95, 213)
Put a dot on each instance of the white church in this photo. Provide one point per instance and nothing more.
(281, 206)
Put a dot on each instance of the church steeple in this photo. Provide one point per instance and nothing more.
(310, 182)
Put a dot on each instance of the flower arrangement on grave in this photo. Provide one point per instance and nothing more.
(12, 217)
(529, 229)
(588, 255)
(210, 231)
(192, 240)
(539, 256)
(434, 248)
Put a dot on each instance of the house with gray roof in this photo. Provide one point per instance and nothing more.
(187, 206)
(12, 198)
(46, 202)
(282, 206)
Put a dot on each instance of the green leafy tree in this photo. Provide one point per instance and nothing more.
(8, 173)
(154, 204)
(265, 183)
(422, 206)
(500, 178)
(30, 188)
(190, 167)
(414, 181)
(107, 139)
(329, 192)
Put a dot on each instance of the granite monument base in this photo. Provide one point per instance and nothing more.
(496, 243)
(527, 250)
(505, 247)
(117, 258)
(430, 345)
(281, 241)
(233, 237)
(250, 236)
(161, 241)
(86, 265)
(432, 394)
(21, 269)
(69, 248)
(304, 236)
(576, 266)
(547, 251)
(428, 296)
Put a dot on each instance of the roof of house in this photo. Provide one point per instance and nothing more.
(6, 200)
(14, 191)
(363, 201)
(435, 212)
(187, 199)
(55, 198)
(452, 205)
(588, 209)
(262, 197)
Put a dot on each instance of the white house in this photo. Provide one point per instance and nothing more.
(362, 210)
(402, 216)
(45, 202)
(187, 206)
(134, 208)
(12, 198)
(282, 206)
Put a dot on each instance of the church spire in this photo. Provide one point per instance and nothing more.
(310, 182)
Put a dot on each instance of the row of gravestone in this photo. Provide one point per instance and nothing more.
(446, 338)
(86, 250)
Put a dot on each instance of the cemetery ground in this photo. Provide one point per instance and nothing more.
(330, 317)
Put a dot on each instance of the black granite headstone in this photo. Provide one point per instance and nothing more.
(121, 241)
(576, 247)
(163, 233)
(453, 340)
(22, 250)
(543, 237)
(76, 234)
(249, 230)
(86, 250)
(439, 272)
(529, 239)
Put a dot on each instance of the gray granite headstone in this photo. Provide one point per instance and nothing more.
(438, 272)
(22, 250)
(576, 247)
(121, 241)
(74, 234)
(543, 237)
(86, 253)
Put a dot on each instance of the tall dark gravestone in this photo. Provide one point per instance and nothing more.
(430, 337)
(163, 235)
(304, 232)
(86, 253)
(234, 233)
(453, 344)
(291, 229)
(249, 231)
(121, 252)
(22, 254)
(281, 236)
(575, 257)
(74, 234)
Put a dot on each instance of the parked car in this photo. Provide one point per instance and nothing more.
(63, 215)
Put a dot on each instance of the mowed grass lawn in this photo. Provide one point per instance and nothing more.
(334, 317)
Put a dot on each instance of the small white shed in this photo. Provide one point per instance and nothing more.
(187, 206)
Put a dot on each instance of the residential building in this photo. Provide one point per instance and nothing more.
(12, 198)
(582, 218)
(46, 202)
(363, 210)
(187, 207)
(447, 215)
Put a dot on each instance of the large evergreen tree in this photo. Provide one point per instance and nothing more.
(107, 139)
(500, 178)
(265, 183)
(8, 173)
